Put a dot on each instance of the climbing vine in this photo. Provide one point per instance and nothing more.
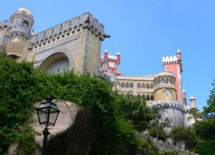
(21, 85)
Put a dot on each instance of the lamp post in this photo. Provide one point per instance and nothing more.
(47, 114)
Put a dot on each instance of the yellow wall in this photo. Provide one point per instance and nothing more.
(160, 94)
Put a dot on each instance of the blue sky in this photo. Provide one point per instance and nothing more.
(144, 31)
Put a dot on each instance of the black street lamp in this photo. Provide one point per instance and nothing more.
(47, 114)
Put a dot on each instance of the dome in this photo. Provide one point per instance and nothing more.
(192, 98)
(24, 10)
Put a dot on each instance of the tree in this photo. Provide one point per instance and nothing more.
(205, 129)
(181, 134)
(210, 102)
(159, 123)
(195, 113)
(21, 85)
(135, 110)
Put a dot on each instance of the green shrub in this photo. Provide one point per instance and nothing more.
(23, 85)
(158, 133)
(206, 147)
(186, 135)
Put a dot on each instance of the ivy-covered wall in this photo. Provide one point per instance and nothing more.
(21, 85)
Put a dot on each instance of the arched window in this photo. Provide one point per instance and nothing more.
(131, 85)
(171, 81)
(147, 98)
(152, 97)
(7, 39)
(127, 85)
(143, 85)
(138, 85)
(118, 85)
(123, 84)
(151, 85)
(25, 23)
(147, 86)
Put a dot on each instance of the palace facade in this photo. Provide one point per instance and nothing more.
(76, 45)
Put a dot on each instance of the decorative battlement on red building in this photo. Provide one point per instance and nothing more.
(110, 63)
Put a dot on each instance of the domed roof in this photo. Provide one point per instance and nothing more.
(24, 10)
(192, 98)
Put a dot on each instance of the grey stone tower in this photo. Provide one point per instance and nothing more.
(15, 34)
(22, 22)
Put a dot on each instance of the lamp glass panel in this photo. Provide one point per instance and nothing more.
(52, 117)
(43, 115)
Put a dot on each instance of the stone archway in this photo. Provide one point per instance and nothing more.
(55, 64)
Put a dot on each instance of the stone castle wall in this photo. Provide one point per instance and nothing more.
(77, 41)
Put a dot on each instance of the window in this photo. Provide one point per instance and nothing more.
(131, 85)
(147, 98)
(127, 85)
(25, 23)
(167, 92)
(6, 39)
(122, 85)
(152, 97)
(138, 85)
(151, 85)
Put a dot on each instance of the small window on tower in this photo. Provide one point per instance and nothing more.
(25, 23)
(6, 40)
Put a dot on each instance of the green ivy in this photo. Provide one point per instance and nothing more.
(21, 85)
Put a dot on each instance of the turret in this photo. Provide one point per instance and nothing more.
(22, 22)
(109, 64)
(118, 57)
(106, 54)
(179, 55)
(164, 87)
(192, 102)
(173, 64)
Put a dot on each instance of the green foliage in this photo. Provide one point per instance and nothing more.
(159, 122)
(210, 102)
(170, 153)
(18, 91)
(135, 110)
(158, 133)
(195, 113)
(206, 147)
(187, 135)
(205, 129)
(22, 86)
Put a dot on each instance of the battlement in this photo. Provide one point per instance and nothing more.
(169, 59)
(170, 105)
(5, 24)
(84, 21)
(137, 78)
(164, 74)
(112, 57)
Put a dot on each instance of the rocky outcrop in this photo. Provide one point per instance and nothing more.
(73, 134)
(165, 146)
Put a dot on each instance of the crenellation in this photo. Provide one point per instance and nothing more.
(85, 20)
(169, 59)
